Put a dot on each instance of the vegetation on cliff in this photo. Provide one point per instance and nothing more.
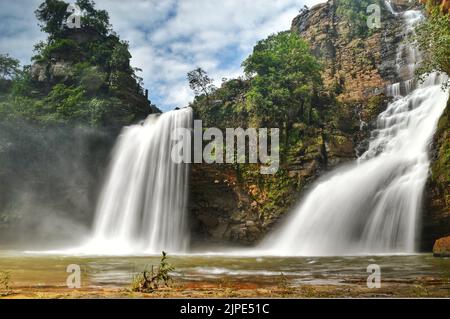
(355, 13)
(433, 37)
(283, 89)
(79, 75)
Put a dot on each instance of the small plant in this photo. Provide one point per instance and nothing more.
(283, 283)
(149, 281)
(284, 286)
(420, 291)
(4, 283)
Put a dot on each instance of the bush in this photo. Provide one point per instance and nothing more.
(148, 282)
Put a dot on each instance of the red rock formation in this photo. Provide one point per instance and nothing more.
(442, 247)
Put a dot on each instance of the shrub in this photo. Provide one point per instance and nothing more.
(149, 281)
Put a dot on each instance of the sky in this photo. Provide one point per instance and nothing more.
(168, 38)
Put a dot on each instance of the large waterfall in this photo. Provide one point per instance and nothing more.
(142, 208)
(373, 205)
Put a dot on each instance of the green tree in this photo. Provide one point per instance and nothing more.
(52, 14)
(9, 67)
(284, 77)
(200, 82)
(93, 18)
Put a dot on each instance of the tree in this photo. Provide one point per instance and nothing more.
(9, 67)
(284, 76)
(96, 19)
(53, 15)
(200, 82)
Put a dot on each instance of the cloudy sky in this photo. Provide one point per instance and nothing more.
(168, 38)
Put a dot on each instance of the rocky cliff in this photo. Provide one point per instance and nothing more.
(237, 204)
(436, 218)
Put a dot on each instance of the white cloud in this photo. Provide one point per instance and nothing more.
(171, 37)
(19, 30)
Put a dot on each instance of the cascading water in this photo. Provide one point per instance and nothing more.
(142, 208)
(373, 205)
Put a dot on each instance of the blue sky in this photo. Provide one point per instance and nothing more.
(168, 38)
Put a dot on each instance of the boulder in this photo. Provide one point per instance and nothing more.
(442, 247)
(38, 72)
(60, 70)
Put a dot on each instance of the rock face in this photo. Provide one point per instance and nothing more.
(57, 71)
(221, 209)
(356, 68)
(442, 247)
(445, 4)
(96, 65)
(436, 219)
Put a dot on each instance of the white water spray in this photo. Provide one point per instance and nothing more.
(373, 205)
(142, 208)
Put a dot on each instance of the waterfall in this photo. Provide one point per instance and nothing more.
(142, 208)
(389, 6)
(373, 205)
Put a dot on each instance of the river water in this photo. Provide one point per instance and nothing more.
(30, 270)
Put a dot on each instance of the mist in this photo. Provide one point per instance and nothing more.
(49, 181)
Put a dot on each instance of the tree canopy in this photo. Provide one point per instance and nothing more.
(200, 82)
(284, 76)
(9, 67)
(53, 15)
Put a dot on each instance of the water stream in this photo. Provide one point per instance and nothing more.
(373, 205)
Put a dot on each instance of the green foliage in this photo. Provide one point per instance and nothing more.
(200, 82)
(9, 67)
(52, 14)
(91, 78)
(433, 38)
(93, 84)
(95, 19)
(64, 102)
(284, 75)
(355, 14)
(441, 166)
(147, 282)
(285, 78)
(226, 107)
